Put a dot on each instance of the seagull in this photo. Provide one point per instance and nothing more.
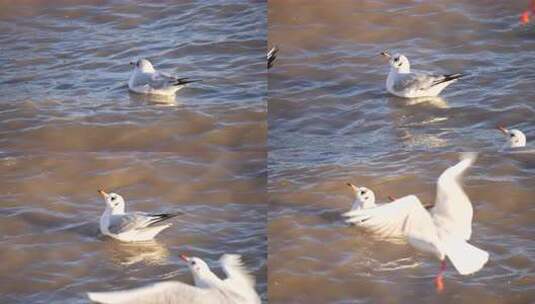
(146, 80)
(237, 288)
(364, 197)
(404, 83)
(130, 227)
(442, 232)
(271, 56)
(515, 137)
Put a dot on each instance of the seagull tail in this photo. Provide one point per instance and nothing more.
(466, 258)
(186, 80)
(448, 78)
(157, 218)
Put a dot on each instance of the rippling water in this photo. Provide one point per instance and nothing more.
(331, 121)
(327, 92)
(68, 126)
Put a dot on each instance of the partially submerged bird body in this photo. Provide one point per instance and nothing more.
(130, 227)
(237, 288)
(146, 80)
(442, 232)
(403, 82)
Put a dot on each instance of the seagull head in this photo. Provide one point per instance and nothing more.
(398, 62)
(364, 197)
(515, 137)
(202, 275)
(143, 65)
(113, 200)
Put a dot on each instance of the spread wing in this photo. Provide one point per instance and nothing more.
(402, 218)
(237, 274)
(164, 292)
(453, 210)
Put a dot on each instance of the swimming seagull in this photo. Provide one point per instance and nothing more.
(237, 288)
(404, 83)
(271, 56)
(515, 137)
(146, 80)
(442, 232)
(130, 227)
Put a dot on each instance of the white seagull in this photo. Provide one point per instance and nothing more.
(237, 288)
(146, 80)
(404, 83)
(364, 197)
(271, 56)
(515, 137)
(130, 227)
(442, 232)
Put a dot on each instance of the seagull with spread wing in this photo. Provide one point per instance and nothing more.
(443, 231)
(236, 288)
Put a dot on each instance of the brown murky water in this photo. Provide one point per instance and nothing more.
(331, 121)
(68, 126)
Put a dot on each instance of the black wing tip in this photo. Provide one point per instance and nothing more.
(165, 216)
(272, 55)
(454, 76)
(186, 80)
(449, 77)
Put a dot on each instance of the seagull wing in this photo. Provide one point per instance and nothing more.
(134, 221)
(453, 210)
(237, 274)
(164, 292)
(402, 218)
(271, 56)
(421, 81)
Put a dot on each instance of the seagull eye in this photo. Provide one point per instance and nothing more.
(396, 59)
(193, 263)
(512, 135)
(113, 198)
(362, 192)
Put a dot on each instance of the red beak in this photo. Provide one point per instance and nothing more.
(184, 258)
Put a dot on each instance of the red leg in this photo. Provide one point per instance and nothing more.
(439, 283)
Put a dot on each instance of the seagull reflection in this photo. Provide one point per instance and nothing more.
(158, 100)
(151, 252)
(437, 102)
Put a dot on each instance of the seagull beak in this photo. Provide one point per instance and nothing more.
(101, 192)
(355, 188)
(386, 54)
(504, 130)
(184, 258)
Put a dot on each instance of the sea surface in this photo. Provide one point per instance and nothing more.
(331, 121)
(69, 126)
